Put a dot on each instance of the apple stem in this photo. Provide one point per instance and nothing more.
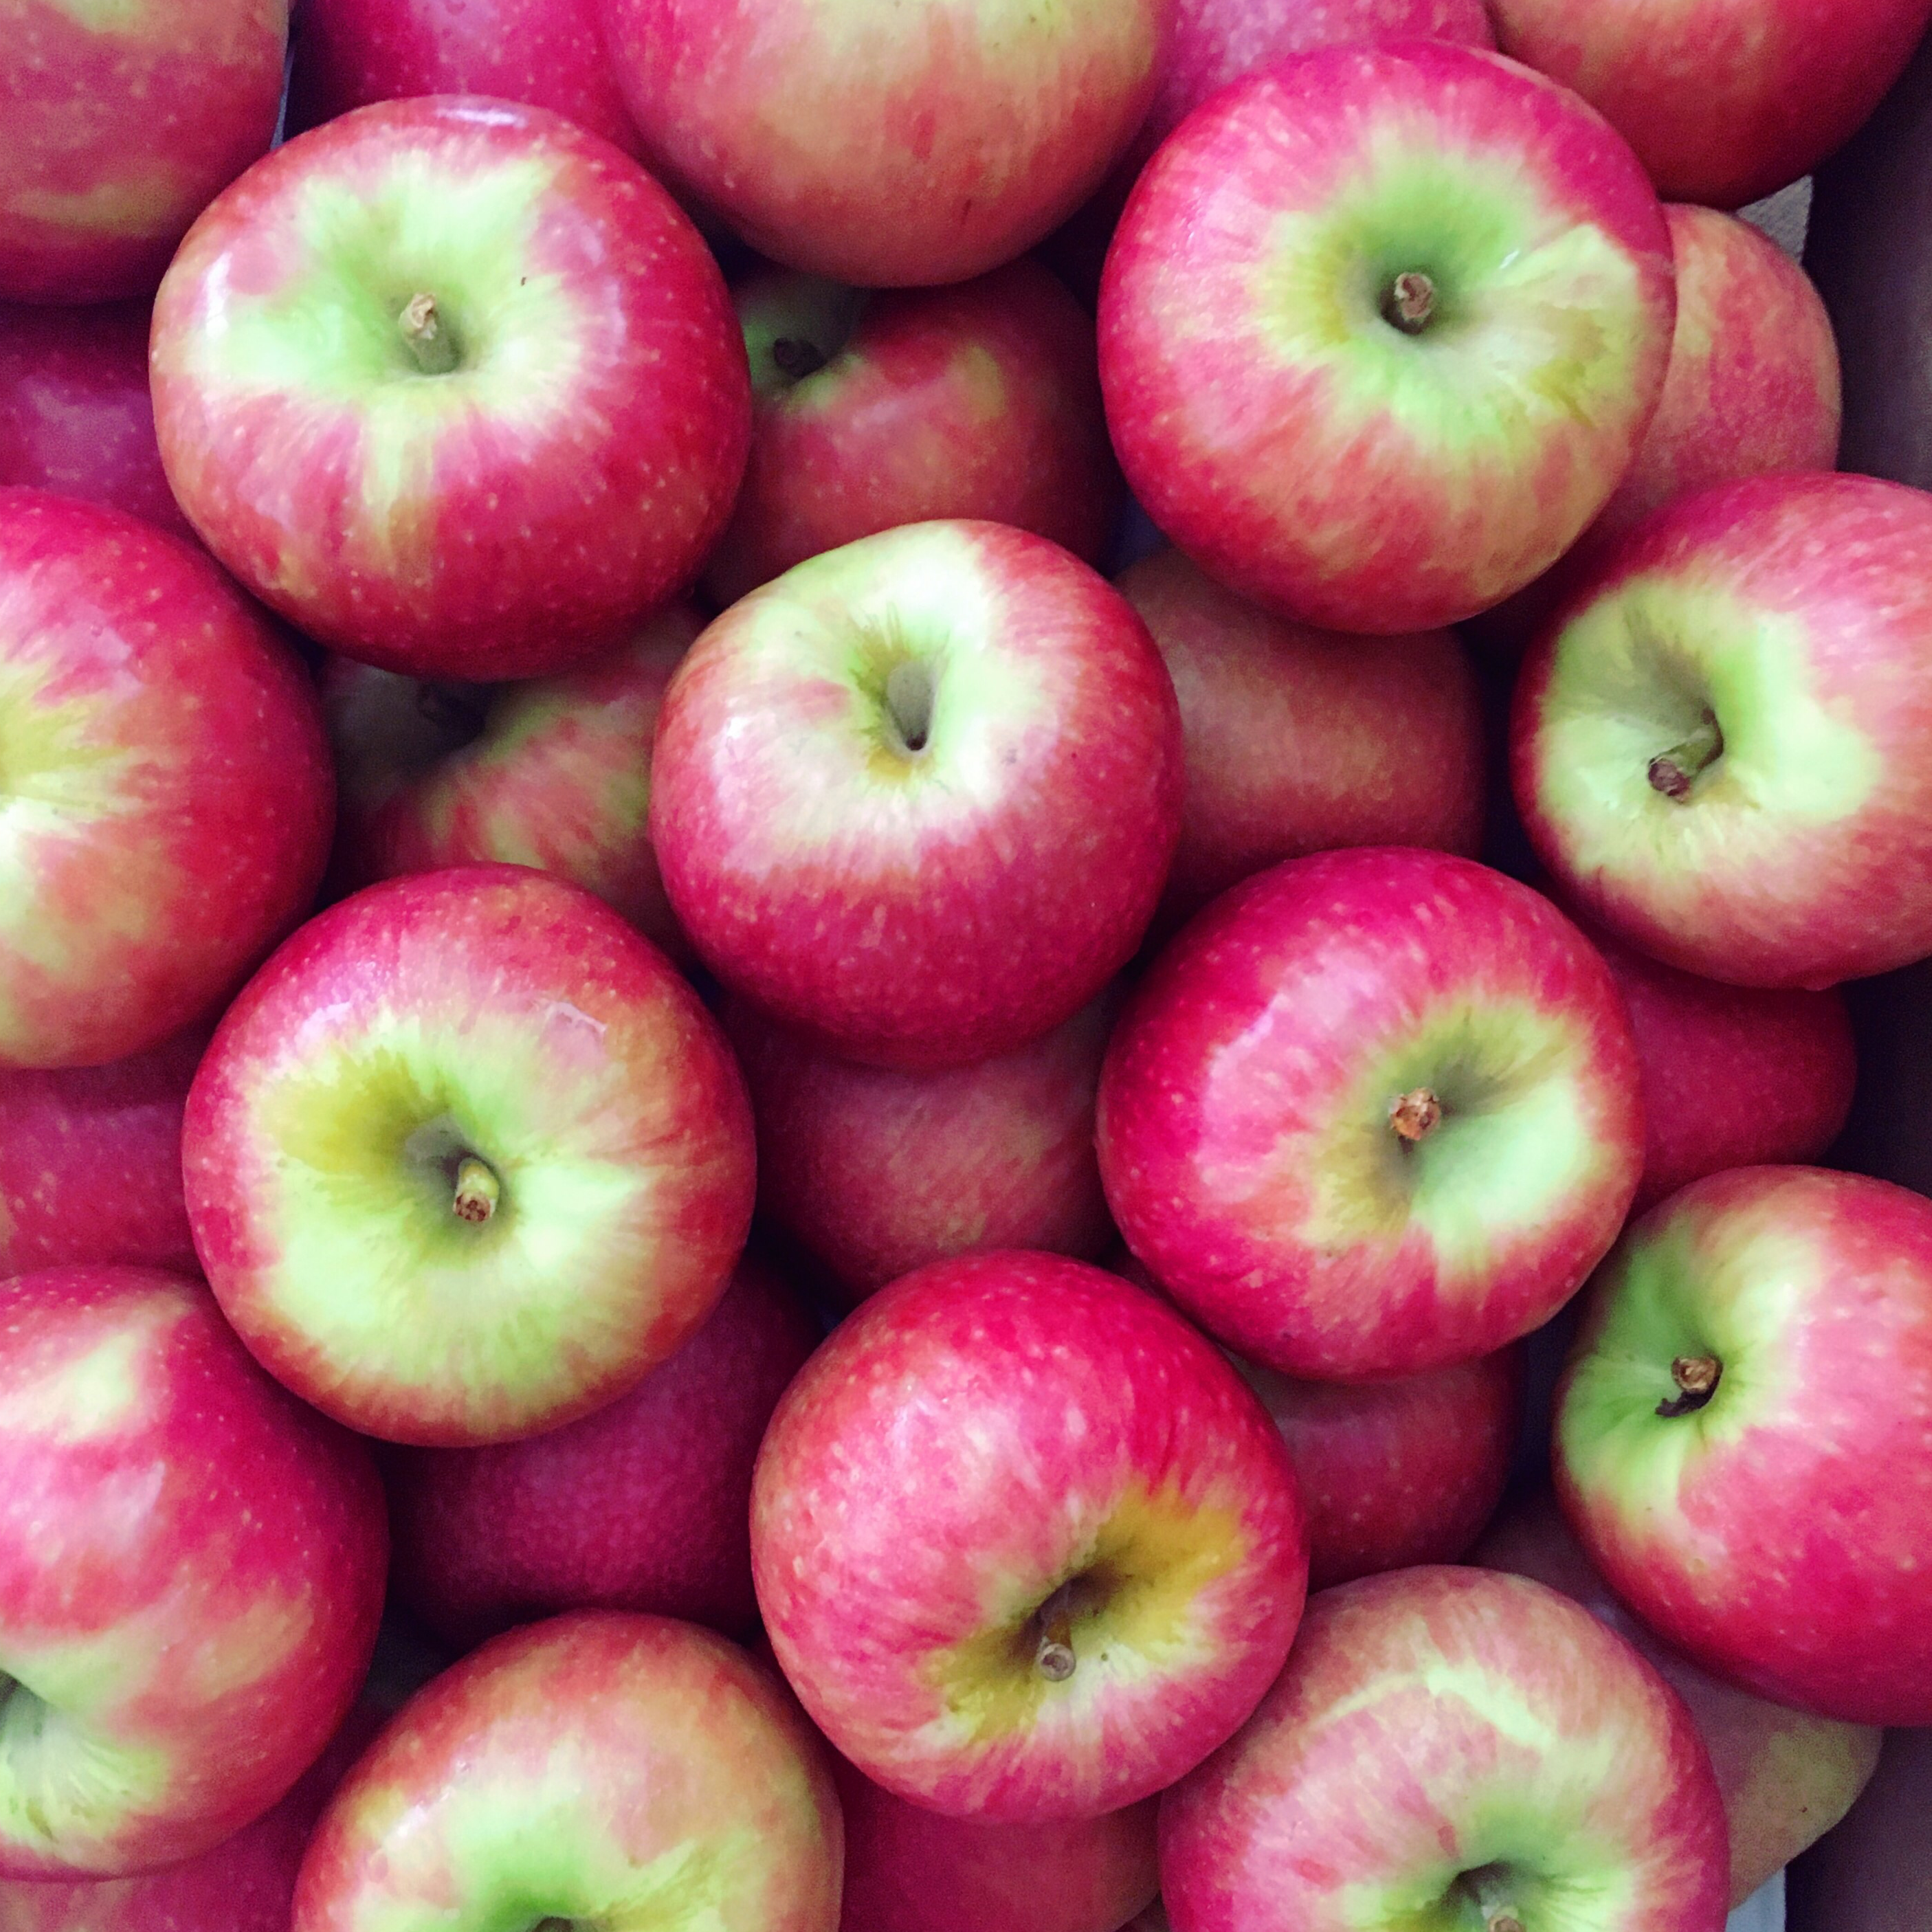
(909, 694)
(1673, 772)
(1054, 1658)
(1408, 304)
(797, 357)
(1415, 1113)
(429, 342)
(478, 1190)
(1697, 1377)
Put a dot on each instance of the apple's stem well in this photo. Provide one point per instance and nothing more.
(1415, 1113)
(1409, 302)
(478, 1190)
(797, 357)
(1697, 1377)
(1493, 1890)
(1673, 772)
(1054, 1657)
(428, 340)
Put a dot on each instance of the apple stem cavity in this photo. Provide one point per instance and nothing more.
(1409, 302)
(797, 357)
(478, 1190)
(1673, 772)
(909, 696)
(1697, 1377)
(1415, 1114)
(430, 343)
(1053, 1657)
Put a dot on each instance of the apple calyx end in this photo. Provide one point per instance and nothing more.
(1409, 302)
(1673, 772)
(430, 345)
(1697, 1377)
(1415, 1114)
(478, 1191)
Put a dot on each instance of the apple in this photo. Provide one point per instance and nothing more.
(599, 1768)
(170, 798)
(549, 53)
(1724, 101)
(1373, 1112)
(1786, 1777)
(454, 385)
(1397, 1473)
(1717, 749)
(1743, 1436)
(1299, 740)
(917, 797)
(244, 1884)
(885, 146)
(1752, 386)
(910, 1870)
(876, 1173)
(1381, 330)
(466, 1159)
(1733, 1076)
(123, 121)
(1453, 1748)
(1874, 1873)
(90, 1161)
(643, 1506)
(191, 1571)
(903, 406)
(1025, 1545)
(75, 417)
(554, 772)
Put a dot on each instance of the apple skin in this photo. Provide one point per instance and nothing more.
(643, 1506)
(1872, 1873)
(1786, 1777)
(90, 1161)
(512, 516)
(930, 905)
(189, 1639)
(1793, 1281)
(122, 123)
(1300, 740)
(75, 417)
(1247, 1135)
(882, 146)
(876, 1173)
(557, 774)
(1754, 386)
(599, 1768)
(487, 1012)
(1307, 452)
(173, 797)
(547, 53)
(977, 1437)
(1724, 101)
(1440, 1724)
(1791, 613)
(1733, 1076)
(910, 1870)
(979, 400)
(244, 1884)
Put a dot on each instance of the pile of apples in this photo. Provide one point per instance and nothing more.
(663, 1066)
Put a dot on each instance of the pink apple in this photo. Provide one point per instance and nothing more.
(910, 1870)
(1744, 1436)
(643, 1506)
(1752, 387)
(1450, 1748)
(876, 1173)
(244, 1884)
(1373, 1112)
(596, 1769)
(1299, 740)
(1026, 1547)
(191, 1570)
(1725, 100)
(1786, 1777)
(76, 416)
(554, 772)
(549, 53)
(1381, 330)
(1733, 1076)
(123, 121)
(872, 410)
(1397, 1473)
(917, 798)
(454, 385)
(90, 1161)
(1717, 749)
(886, 146)
(467, 1159)
(171, 795)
